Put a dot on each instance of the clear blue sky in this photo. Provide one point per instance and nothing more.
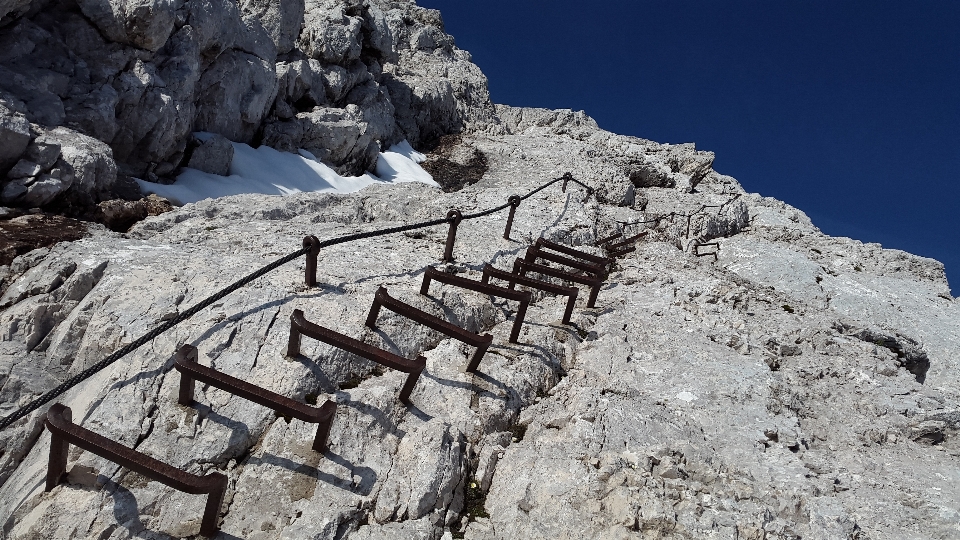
(848, 110)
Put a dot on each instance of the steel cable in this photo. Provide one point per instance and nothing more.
(142, 340)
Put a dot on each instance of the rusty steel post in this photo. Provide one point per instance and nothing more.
(59, 447)
(452, 234)
(186, 355)
(310, 273)
(514, 201)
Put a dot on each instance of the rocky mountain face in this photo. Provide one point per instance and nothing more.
(93, 92)
(793, 385)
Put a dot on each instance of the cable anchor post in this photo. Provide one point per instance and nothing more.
(514, 201)
(456, 217)
(310, 272)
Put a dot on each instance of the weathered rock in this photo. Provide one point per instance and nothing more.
(12, 7)
(141, 23)
(282, 20)
(336, 136)
(331, 34)
(212, 154)
(24, 169)
(234, 95)
(89, 162)
(14, 137)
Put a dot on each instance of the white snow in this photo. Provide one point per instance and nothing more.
(271, 172)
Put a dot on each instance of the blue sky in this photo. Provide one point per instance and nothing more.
(848, 110)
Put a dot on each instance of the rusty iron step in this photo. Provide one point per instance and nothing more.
(566, 250)
(383, 299)
(607, 239)
(514, 279)
(432, 274)
(191, 371)
(300, 326)
(63, 433)
(521, 267)
(534, 253)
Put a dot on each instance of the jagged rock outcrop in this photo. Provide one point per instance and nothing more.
(341, 78)
(795, 385)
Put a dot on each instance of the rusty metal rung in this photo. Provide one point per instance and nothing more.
(299, 325)
(191, 371)
(383, 299)
(609, 239)
(514, 279)
(432, 274)
(596, 259)
(521, 267)
(630, 240)
(63, 433)
(716, 256)
(534, 253)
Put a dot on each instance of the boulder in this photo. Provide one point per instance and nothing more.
(282, 19)
(14, 137)
(234, 95)
(145, 24)
(89, 161)
(212, 154)
(336, 136)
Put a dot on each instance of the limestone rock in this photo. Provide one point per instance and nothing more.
(89, 162)
(212, 154)
(282, 20)
(331, 31)
(336, 136)
(14, 137)
(141, 23)
(234, 95)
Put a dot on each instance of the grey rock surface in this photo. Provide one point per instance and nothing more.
(145, 24)
(14, 136)
(342, 78)
(212, 154)
(798, 386)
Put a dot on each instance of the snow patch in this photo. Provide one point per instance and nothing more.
(271, 172)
